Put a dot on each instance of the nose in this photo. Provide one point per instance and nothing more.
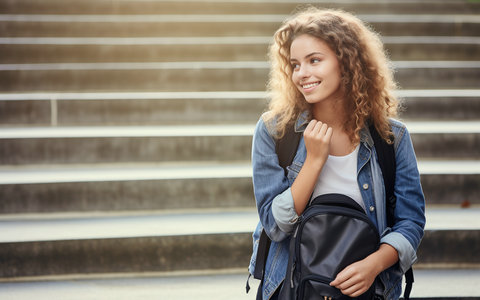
(304, 71)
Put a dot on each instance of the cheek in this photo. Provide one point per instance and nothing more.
(333, 75)
(338, 72)
(295, 79)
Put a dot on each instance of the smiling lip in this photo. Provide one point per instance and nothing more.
(310, 85)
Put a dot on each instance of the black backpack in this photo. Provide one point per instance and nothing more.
(286, 149)
(333, 232)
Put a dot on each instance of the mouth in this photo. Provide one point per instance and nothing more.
(310, 85)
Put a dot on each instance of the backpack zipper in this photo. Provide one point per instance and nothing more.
(317, 278)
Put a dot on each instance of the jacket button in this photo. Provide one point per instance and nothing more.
(365, 186)
(372, 208)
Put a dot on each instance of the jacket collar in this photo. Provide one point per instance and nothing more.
(366, 137)
(302, 121)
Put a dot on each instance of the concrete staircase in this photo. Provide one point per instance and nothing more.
(125, 136)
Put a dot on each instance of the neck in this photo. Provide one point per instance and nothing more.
(333, 114)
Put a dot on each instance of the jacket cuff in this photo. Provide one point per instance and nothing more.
(283, 211)
(406, 254)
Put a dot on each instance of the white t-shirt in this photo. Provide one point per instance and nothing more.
(339, 176)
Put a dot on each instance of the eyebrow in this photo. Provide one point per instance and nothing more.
(307, 56)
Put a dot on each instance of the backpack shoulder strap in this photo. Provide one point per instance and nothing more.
(386, 160)
(286, 147)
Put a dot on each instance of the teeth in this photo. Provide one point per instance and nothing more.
(310, 85)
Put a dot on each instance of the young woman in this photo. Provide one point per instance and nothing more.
(330, 78)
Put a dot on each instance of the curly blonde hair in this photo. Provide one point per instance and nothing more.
(367, 76)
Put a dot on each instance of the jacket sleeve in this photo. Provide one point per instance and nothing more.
(408, 229)
(269, 183)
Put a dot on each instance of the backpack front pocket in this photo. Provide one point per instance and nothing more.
(315, 287)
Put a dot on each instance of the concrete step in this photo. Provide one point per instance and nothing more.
(170, 186)
(195, 108)
(438, 284)
(59, 145)
(39, 246)
(143, 49)
(204, 76)
(125, 187)
(440, 104)
(79, 145)
(231, 7)
(138, 108)
(34, 25)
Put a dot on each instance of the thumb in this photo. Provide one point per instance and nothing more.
(340, 278)
(335, 282)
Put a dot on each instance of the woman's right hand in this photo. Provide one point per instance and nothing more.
(317, 137)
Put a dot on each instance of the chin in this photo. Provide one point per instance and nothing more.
(311, 99)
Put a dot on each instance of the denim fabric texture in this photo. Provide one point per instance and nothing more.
(277, 215)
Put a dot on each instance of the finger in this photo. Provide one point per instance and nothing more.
(354, 290)
(323, 130)
(358, 293)
(342, 277)
(353, 287)
(329, 133)
(346, 284)
(310, 126)
(317, 128)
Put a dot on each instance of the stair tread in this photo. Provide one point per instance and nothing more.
(230, 65)
(414, 127)
(202, 95)
(215, 40)
(235, 7)
(114, 172)
(227, 18)
(181, 170)
(214, 76)
(63, 227)
(229, 284)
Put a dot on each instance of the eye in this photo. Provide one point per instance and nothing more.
(314, 60)
(295, 66)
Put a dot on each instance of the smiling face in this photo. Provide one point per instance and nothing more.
(316, 70)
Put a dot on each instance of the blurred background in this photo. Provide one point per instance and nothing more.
(125, 136)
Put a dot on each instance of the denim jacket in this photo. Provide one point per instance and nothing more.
(277, 215)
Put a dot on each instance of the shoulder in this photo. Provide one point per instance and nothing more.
(397, 126)
(266, 124)
(264, 130)
(399, 130)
